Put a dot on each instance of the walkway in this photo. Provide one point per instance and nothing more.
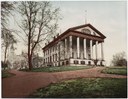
(24, 83)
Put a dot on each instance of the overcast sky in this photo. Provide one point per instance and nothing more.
(106, 16)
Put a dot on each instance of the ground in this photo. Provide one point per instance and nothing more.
(25, 83)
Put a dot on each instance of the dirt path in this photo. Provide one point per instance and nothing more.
(24, 83)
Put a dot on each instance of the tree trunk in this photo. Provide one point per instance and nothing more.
(30, 62)
(29, 54)
(29, 47)
(29, 58)
(5, 54)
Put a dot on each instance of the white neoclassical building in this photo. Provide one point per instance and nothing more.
(77, 46)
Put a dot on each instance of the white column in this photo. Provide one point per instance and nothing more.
(91, 50)
(85, 48)
(78, 47)
(65, 48)
(70, 46)
(102, 52)
(96, 49)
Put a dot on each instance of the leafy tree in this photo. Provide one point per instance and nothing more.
(8, 42)
(119, 59)
(39, 22)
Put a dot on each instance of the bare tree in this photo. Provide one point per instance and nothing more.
(119, 59)
(39, 23)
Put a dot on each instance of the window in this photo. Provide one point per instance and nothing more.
(62, 63)
(48, 59)
(83, 62)
(66, 62)
(48, 52)
(52, 58)
(86, 31)
(53, 48)
(44, 60)
(56, 57)
(76, 62)
(101, 63)
(89, 63)
(89, 56)
(72, 54)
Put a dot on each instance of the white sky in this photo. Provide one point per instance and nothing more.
(107, 16)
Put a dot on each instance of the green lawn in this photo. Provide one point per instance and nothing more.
(85, 88)
(116, 70)
(58, 69)
(6, 74)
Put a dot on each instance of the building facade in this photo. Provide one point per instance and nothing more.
(80, 45)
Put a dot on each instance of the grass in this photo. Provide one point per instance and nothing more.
(6, 74)
(116, 70)
(85, 88)
(58, 69)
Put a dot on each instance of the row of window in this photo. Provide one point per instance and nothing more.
(53, 49)
(74, 54)
(51, 58)
(81, 62)
(63, 63)
(75, 62)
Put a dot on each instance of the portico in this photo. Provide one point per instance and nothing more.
(81, 45)
(82, 49)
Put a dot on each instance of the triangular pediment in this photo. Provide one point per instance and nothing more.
(88, 29)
